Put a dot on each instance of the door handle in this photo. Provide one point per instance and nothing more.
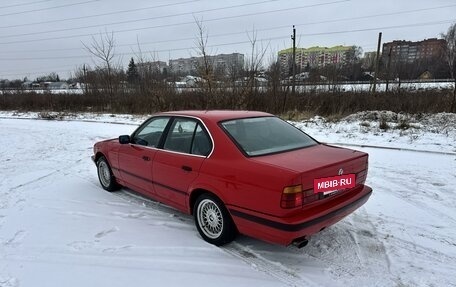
(186, 168)
(146, 158)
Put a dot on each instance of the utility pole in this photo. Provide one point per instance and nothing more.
(377, 61)
(85, 86)
(293, 37)
(388, 66)
(293, 69)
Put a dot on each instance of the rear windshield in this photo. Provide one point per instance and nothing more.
(266, 135)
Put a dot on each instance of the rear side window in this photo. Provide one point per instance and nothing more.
(188, 136)
(180, 135)
(202, 144)
(266, 135)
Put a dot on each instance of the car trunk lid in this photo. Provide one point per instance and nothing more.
(320, 162)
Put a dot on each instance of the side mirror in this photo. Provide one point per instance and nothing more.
(125, 139)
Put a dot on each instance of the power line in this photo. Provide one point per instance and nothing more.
(186, 2)
(27, 72)
(138, 20)
(24, 4)
(48, 8)
(99, 15)
(381, 28)
(39, 71)
(48, 58)
(257, 30)
(297, 25)
(201, 11)
(378, 15)
(306, 35)
(243, 42)
(174, 24)
(275, 38)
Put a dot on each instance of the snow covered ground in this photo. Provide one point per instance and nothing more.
(58, 227)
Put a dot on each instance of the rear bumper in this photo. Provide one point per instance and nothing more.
(285, 230)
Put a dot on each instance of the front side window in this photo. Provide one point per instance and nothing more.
(150, 133)
(266, 135)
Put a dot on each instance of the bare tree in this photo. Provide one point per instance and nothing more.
(104, 50)
(206, 65)
(274, 87)
(254, 65)
(151, 86)
(450, 56)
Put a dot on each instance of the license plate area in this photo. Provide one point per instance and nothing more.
(334, 184)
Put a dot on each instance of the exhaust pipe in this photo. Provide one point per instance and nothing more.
(300, 242)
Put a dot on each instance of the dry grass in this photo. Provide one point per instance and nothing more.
(383, 124)
(331, 105)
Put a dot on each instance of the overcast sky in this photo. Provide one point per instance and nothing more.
(43, 36)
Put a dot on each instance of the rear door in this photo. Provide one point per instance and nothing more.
(186, 146)
(135, 159)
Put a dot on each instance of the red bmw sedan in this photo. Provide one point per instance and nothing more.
(237, 172)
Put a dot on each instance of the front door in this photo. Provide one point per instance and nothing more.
(135, 158)
(135, 164)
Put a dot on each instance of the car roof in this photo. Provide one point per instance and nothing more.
(218, 115)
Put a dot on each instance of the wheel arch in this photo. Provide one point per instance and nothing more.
(196, 193)
(98, 155)
(230, 228)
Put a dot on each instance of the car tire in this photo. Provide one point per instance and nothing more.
(105, 176)
(213, 221)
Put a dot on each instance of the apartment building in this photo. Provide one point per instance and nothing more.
(221, 62)
(148, 68)
(409, 52)
(315, 56)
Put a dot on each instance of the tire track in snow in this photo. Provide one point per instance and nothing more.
(16, 239)
(366, 239)
(330, 242)
(9, 282)
(276, 270)
(35, 180)
(352, 250)
(134, 198)
(400, 185)
(257, 262)
(7, 198)
(408, 252)
(155, 208)
(422, 250)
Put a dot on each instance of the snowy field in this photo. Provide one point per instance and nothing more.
(58, 227)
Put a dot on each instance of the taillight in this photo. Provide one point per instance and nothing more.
(361, 177)
(292, 196)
